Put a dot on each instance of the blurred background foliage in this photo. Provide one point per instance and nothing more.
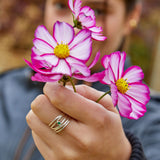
(144, 41)
(19, 19)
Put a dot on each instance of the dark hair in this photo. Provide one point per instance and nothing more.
(130, 4)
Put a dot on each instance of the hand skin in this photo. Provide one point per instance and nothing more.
(94, 133)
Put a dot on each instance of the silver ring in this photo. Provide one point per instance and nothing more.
(59, 123)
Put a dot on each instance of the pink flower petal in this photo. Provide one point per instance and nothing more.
(42, 71)
(140, 92)
(111, 75)
(43, 46)
(133, 74)
(70, 4)
(98, 37)
(136, 115)
(38, 61)
(46, 78)
(81, 36)
(77, 7)
(63, 32)
(121, 64)
(36, 51)
(88, 12)
(96, 29)
(82, 51)
(78, 66)
(42, 33)
(105, 61)
(72, 60)
(95, 60)
(86, 21)
(50, 59)
(114, 62)
(106, 79)
(62, 68)
(93, 78)
(124, 105)
(114, 94)
(81, 69)
(138, 109)
(111, 64)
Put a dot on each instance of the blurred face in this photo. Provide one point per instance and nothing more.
(110, 14)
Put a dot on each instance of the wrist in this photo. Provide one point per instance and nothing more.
(125, 150)
(122, 150)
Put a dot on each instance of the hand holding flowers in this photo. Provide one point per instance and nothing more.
(95, 131)
(64, 55)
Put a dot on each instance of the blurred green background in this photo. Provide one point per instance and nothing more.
(19, 19)
(145, 40)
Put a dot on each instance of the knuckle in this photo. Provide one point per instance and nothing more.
(50, 156)
(66, 154)
(110, 102)
(37, 101)
(87, 142)
(58, 96)
(83, 86)
(29, 117)
(108, 98)
(53, 91)
(101, 121)
(46, 88)
(70, 156)
(82, 89)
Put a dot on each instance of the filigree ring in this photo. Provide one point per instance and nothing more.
(59, 123)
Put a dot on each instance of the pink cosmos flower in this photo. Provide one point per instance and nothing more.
(85, 18)
(63, 54)
(127, 89)
(95, 76)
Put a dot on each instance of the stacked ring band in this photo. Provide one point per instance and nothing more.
(59, 123)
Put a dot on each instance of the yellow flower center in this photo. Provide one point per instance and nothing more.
(122, 85)
(61, 51)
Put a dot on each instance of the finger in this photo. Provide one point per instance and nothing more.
(94, 95)
(65, 152)
(43, 131)
(43, 148)
(46, 112)
(73, 104)
(54, 143)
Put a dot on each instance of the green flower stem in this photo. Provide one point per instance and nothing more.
(74, 88)
(103, 96)
(64, 83)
